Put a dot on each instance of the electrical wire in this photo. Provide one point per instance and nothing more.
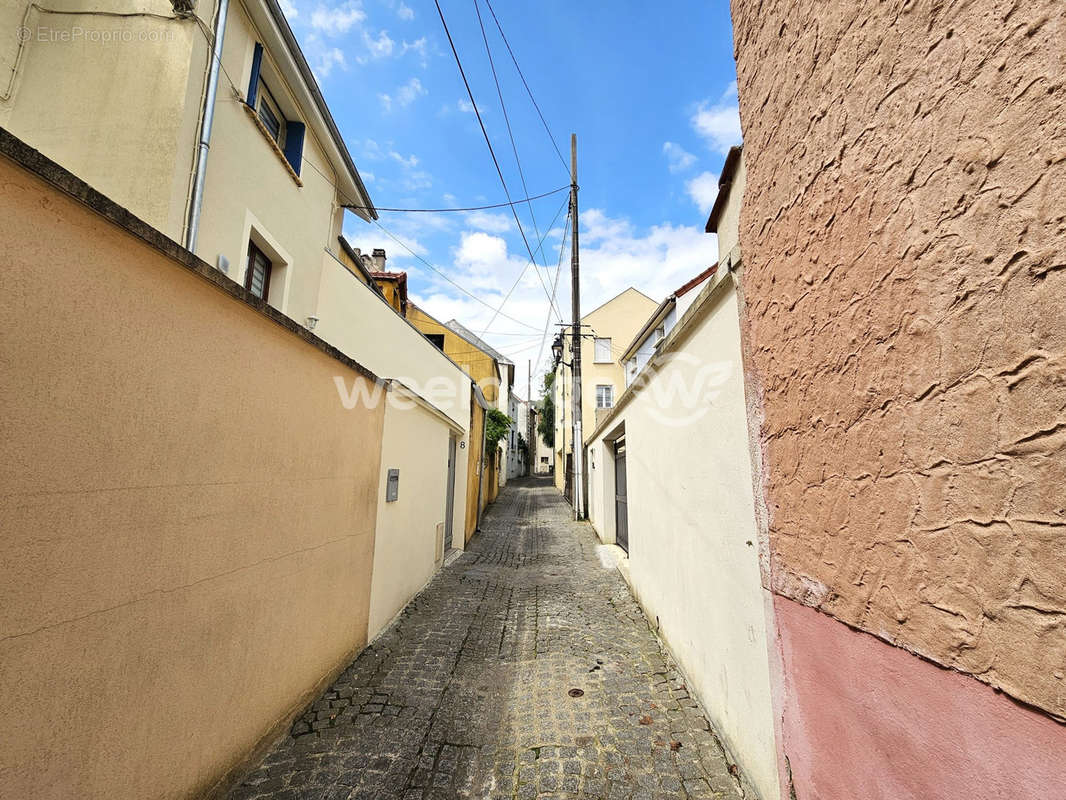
(447, 278)
(484, 133)
(514, 146)
(528, 90)
(471, 208)
(388, 233)
(499, 311)
(555, 290)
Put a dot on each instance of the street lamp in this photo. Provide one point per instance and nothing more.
(557, 349)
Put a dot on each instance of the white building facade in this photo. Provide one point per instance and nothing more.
(670, 483)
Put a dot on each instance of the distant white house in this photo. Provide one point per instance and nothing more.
(659, 324)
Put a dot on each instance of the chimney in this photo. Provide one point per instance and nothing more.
(379, 259)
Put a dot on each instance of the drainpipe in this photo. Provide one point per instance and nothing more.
(207, 115)
(481, 459)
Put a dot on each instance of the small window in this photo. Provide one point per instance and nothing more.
(604, 396)
(437, 339)
(257, 276)
(603, 351)
(270, 115)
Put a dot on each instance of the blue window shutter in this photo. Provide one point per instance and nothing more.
(294, 144)
(253, 82)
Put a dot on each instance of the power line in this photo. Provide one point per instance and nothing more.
(445, 276)
(499, 311)
(528, 90)
(472, 208)
(514, 146)
(484, 133)
(555, 289)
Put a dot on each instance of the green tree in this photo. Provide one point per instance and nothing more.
(546, 417)
(496, 426)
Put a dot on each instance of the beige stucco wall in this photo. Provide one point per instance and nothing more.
(405, 550)
(729, 221)
(113, 99)
(693, 555)
(618, 319)
(360, 323)
(188, 513)
(123, 115)
(250, 193)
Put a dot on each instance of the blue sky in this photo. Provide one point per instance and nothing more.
(649, 89)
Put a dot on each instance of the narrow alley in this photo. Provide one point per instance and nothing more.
(525, 669)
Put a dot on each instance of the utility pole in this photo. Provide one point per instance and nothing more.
(531, 443)
(577, 441)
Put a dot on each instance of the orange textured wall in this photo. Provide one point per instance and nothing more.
(188, 512)
(904, 235)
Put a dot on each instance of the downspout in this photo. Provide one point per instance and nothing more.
(481, 460)
(207, 116)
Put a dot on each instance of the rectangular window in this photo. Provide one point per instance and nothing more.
(604, 396)
(270, 115)
(288, 134)
(603, 351)
(257, 276)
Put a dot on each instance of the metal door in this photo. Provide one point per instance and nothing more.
(449, 506)
(621, 515)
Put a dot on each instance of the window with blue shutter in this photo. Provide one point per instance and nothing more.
(288, 134)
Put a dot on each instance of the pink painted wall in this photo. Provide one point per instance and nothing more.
(864, 720)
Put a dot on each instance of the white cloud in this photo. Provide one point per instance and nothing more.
(677, 157)
(337, 19)
(372, 150)
(288, 7)
(404, 96)
(381, 47)
(408, 161)
(410, 92)
(417, 181)
(418, 46)
(485, 221)
(615, 255)
(480, 249)
(719, 123)
(703, 189)
(405, 12)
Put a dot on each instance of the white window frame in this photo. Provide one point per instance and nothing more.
(609, 398)
(596, 344)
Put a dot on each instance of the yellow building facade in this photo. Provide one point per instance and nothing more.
(605, 333)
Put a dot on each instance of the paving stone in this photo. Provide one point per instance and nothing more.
(468, 693)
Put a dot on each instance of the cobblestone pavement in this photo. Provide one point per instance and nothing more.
(525, 669)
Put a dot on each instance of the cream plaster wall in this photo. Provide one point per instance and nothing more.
(119, 114)
(405, 546)
(729, 221)
(358, 322)
(618, 319)
(693, 555)
(250, 193)
(188, 513)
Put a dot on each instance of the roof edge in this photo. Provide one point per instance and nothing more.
(729, 171)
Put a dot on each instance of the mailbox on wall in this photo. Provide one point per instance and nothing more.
(392, 486)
